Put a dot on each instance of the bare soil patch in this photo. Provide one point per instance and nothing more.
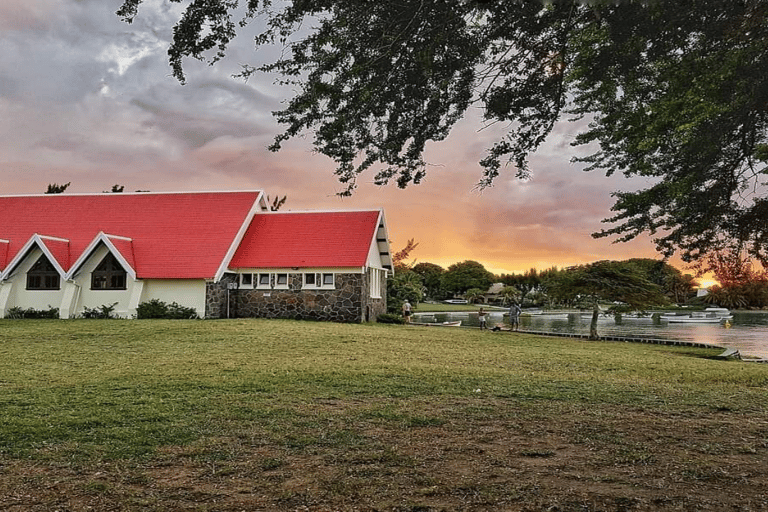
(463, 455)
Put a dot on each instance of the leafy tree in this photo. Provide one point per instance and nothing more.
(405, 285)
(510, 294)
(431, 277)
(462, 276)
(741, 284)
(680, 287)
(398, 259)
(473, 294)
(675, 285)
(675, 92)
(116, 189)
(55, 188)
(607, 281)
(727, 297)
(525, 282)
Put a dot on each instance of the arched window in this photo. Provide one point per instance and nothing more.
(42, 276)
(108, 275)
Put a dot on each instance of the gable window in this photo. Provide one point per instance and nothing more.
(43, 276)
(108, 275)
(319, 281)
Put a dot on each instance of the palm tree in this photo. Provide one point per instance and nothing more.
(473, 294)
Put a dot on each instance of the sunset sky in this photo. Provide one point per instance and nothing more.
(88, 99)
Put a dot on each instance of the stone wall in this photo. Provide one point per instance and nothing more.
(216, 297)
(349, 301)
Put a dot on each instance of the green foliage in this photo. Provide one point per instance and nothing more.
(730, 297)
(431, 277)
(32, 313)
(621, 283)
(465, 275)
(741, 284)
(405, 285)
(390, 318)
(103, 312)
(55, 188)
(156, 308)
(473, 294)
(674, 92)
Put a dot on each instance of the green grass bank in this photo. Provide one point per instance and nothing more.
(283, 415)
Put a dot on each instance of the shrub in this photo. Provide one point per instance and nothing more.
(390, 318)
(103, 312)
(17, 312)
(156, 308)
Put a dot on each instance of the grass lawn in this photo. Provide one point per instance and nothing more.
(283, 415)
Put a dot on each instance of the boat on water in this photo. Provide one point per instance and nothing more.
(719, 312)
(697, 318)
(456, 323)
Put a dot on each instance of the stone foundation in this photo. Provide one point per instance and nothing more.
(349, 301)
(216, 297)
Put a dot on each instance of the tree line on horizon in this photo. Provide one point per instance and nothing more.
(641, 282)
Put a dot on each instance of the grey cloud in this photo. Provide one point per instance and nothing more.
(195, 130)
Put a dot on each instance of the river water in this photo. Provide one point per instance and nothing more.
(748, 331)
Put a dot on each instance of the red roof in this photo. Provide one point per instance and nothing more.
(173, 235)
(316, 239)
(3, 254)
(60, 251)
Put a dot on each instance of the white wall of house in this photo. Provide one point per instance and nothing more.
(374, 257)
(185, 292)
(85, 297)
(14, 290)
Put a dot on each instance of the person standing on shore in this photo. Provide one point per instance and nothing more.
(481, 318)
(407, 311)
(514, 316)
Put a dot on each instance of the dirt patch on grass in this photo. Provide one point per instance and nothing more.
(446, 456)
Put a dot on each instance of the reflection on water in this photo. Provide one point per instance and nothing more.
(748, 331)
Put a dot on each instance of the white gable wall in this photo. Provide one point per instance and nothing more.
(76, 294)
(16, 293)
(93, 299)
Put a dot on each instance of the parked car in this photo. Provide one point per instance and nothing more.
(455, 301)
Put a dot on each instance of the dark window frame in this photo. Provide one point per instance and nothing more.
(43, 275)
(109, 275)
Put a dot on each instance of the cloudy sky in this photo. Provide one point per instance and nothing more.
(88, 99)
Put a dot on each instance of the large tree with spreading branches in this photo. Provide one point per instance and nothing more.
(676, 92)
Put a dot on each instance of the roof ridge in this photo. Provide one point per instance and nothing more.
(137, 193)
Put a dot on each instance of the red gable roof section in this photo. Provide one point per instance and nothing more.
(4, 259)
(311, 239)
(125, 247)
(175, 236)
(59, 249)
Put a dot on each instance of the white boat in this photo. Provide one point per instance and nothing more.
(719, 311)
(637, 316)
(696, 318)
(457, 323)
